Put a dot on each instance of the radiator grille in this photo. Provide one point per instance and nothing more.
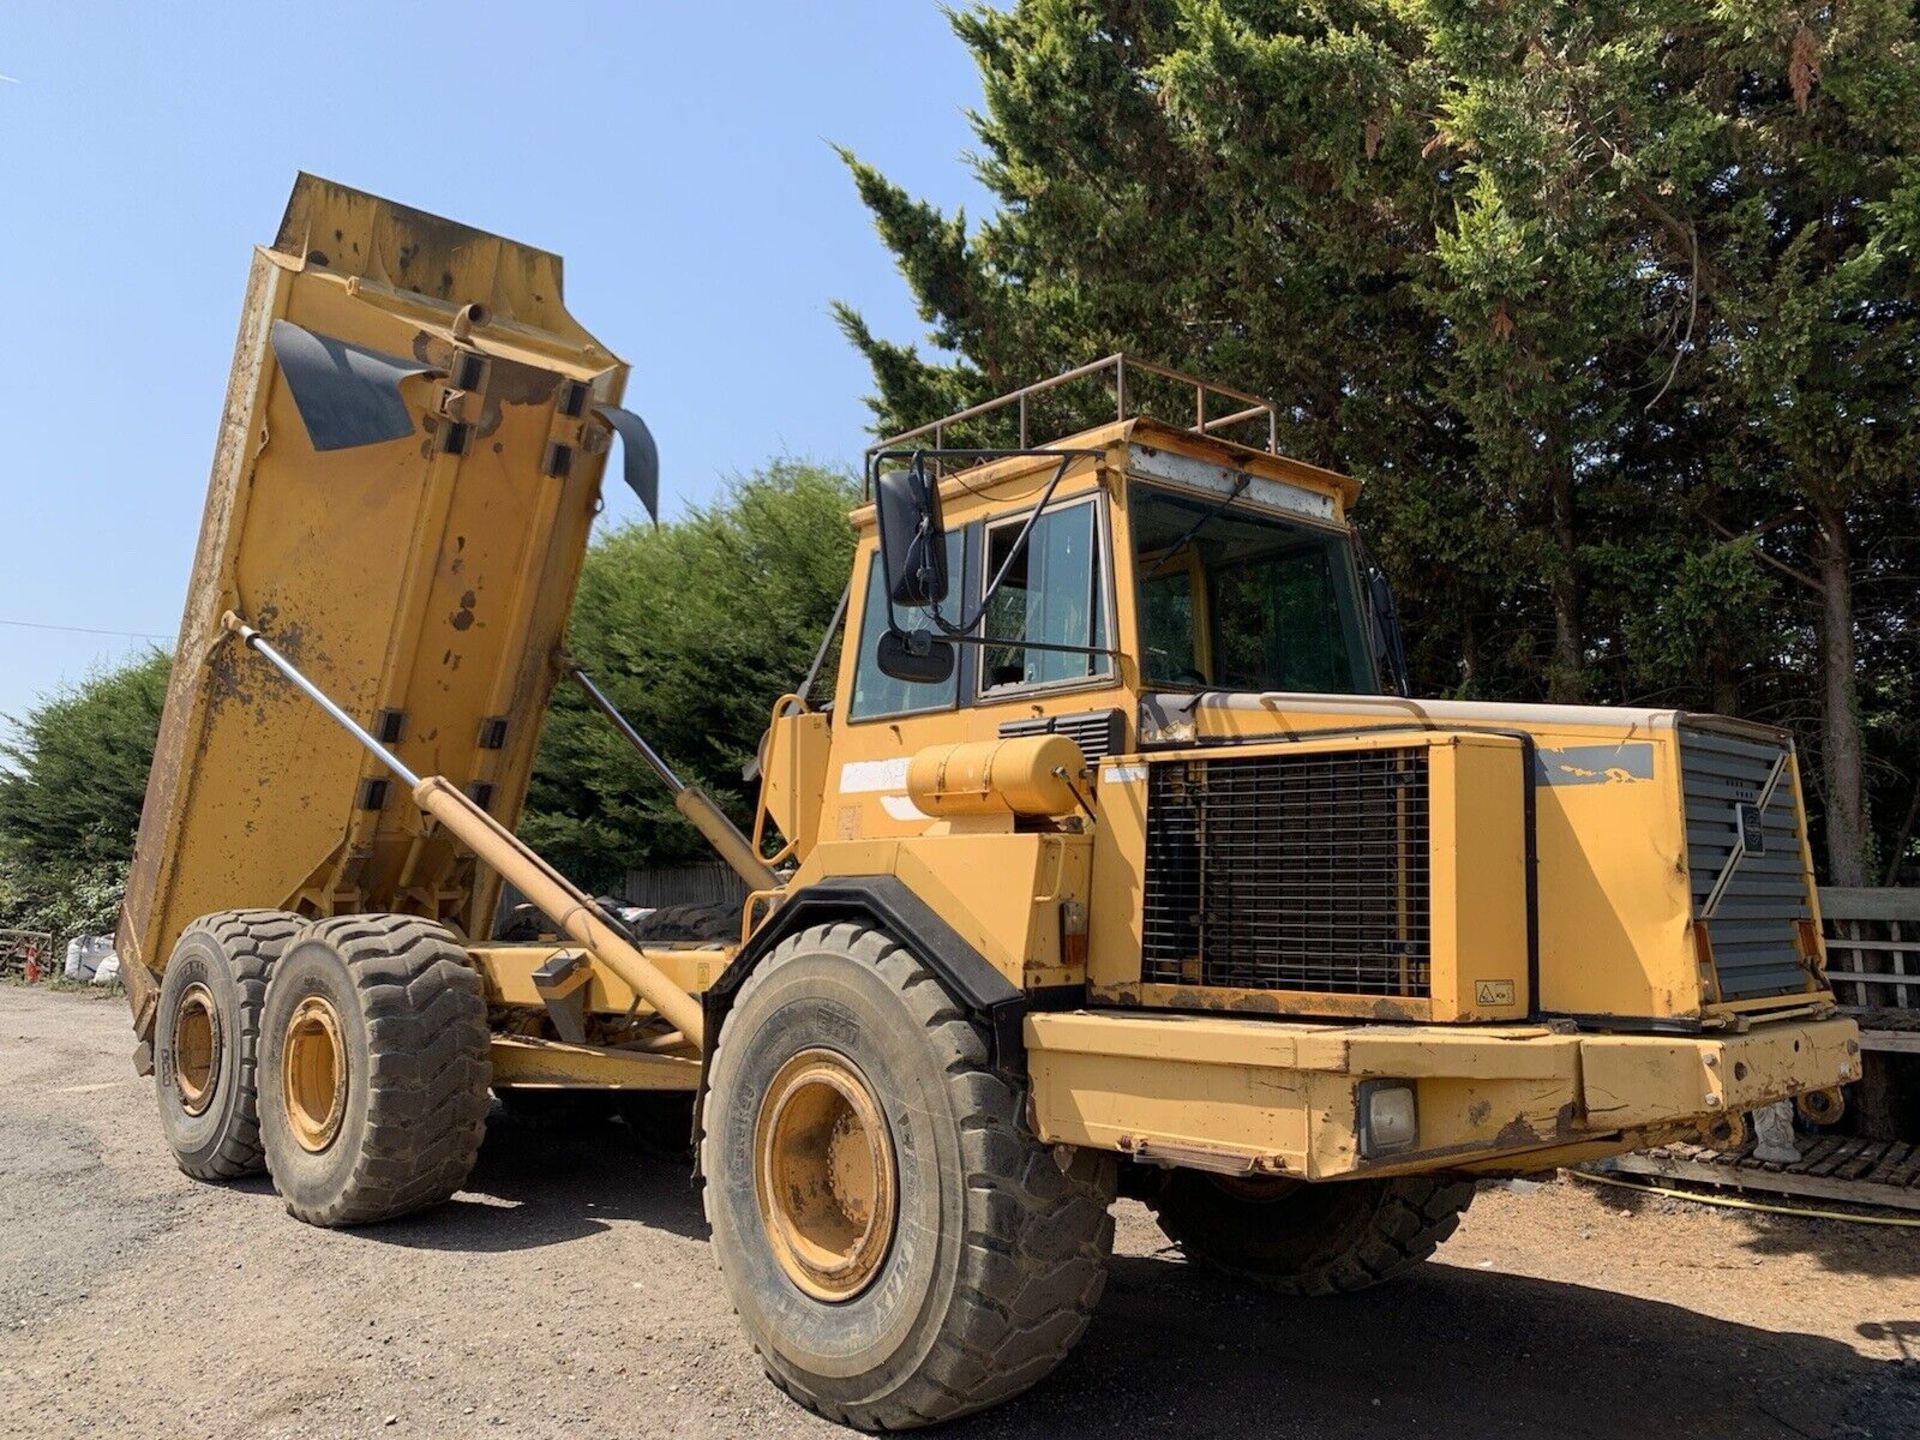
(1755, 953)
(1290, 872)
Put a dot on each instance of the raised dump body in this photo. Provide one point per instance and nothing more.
(409, 460)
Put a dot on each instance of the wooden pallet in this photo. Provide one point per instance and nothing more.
(1832, 1167)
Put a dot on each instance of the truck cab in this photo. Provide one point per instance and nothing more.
(1517, 913)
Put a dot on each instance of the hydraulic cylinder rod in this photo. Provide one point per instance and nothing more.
(690, 800)
(551, 893)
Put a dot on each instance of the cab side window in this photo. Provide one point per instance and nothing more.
(876, 694)
(1054, 594)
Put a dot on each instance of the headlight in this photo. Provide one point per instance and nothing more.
(1389, 1120)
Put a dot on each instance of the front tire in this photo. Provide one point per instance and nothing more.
(206, 1040)
(1298, 1239)
(374, 1071)
(899, 1247)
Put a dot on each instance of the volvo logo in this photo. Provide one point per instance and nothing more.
(1753, 832)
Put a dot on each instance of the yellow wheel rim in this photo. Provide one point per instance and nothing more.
(313, 1074)
(824, 1175)
(196, 1048)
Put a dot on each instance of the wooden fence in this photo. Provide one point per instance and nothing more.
(1873, 962)
(19, 947)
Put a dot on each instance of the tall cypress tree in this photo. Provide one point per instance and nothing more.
(1610, 306)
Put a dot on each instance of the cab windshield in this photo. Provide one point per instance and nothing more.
(1240, 599)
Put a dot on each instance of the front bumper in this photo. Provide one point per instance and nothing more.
(1252, 1096)
(1636, 1081)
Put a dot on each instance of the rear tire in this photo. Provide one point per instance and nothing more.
(669, 924)
(373, 1093)
(206, 1039)
(1294, 1238)
(521, 925)
(993, 1249)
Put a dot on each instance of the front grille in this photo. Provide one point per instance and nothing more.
(1752, 930)
(1290, 872)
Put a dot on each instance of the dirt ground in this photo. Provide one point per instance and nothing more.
(570, 1291)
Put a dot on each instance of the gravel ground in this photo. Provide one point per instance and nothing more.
(570, 1291)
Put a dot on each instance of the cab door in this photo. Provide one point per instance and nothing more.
(1047, 658)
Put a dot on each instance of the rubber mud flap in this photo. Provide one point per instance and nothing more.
(347, 395)
(639, 455)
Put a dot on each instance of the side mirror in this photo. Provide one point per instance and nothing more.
(913, 540)
(919, 658)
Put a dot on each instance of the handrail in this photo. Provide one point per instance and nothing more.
(1120, 364)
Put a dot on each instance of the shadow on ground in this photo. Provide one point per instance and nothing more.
(1888, 1251)
(1175, 1350)
(1446, 1353)
(545, 1183)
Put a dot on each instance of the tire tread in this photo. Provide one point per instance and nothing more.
(250, 940)
(680, 923)
(1404, 1220)
(428, 1066)
(1029, 1283)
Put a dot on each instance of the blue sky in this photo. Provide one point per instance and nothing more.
(678, 155)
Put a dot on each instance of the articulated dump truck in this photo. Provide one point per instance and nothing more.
(1118, 861)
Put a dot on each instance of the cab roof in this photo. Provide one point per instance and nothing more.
(1146, 433)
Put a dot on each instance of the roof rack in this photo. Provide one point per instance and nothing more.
(1121, 366)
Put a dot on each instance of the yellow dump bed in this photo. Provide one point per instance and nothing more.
(407, 466)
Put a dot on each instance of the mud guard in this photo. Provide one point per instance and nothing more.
(639, 456)
(989, 999)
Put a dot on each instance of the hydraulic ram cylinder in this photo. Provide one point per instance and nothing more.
(690, 800)
(550, 892)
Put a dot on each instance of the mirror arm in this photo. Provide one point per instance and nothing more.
(1011, 644)
(945, 626)
(805, 692)
(1013, 554)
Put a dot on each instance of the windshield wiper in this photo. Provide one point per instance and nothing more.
(1239, 488)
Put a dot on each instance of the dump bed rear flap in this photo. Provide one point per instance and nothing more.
(408, 463)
